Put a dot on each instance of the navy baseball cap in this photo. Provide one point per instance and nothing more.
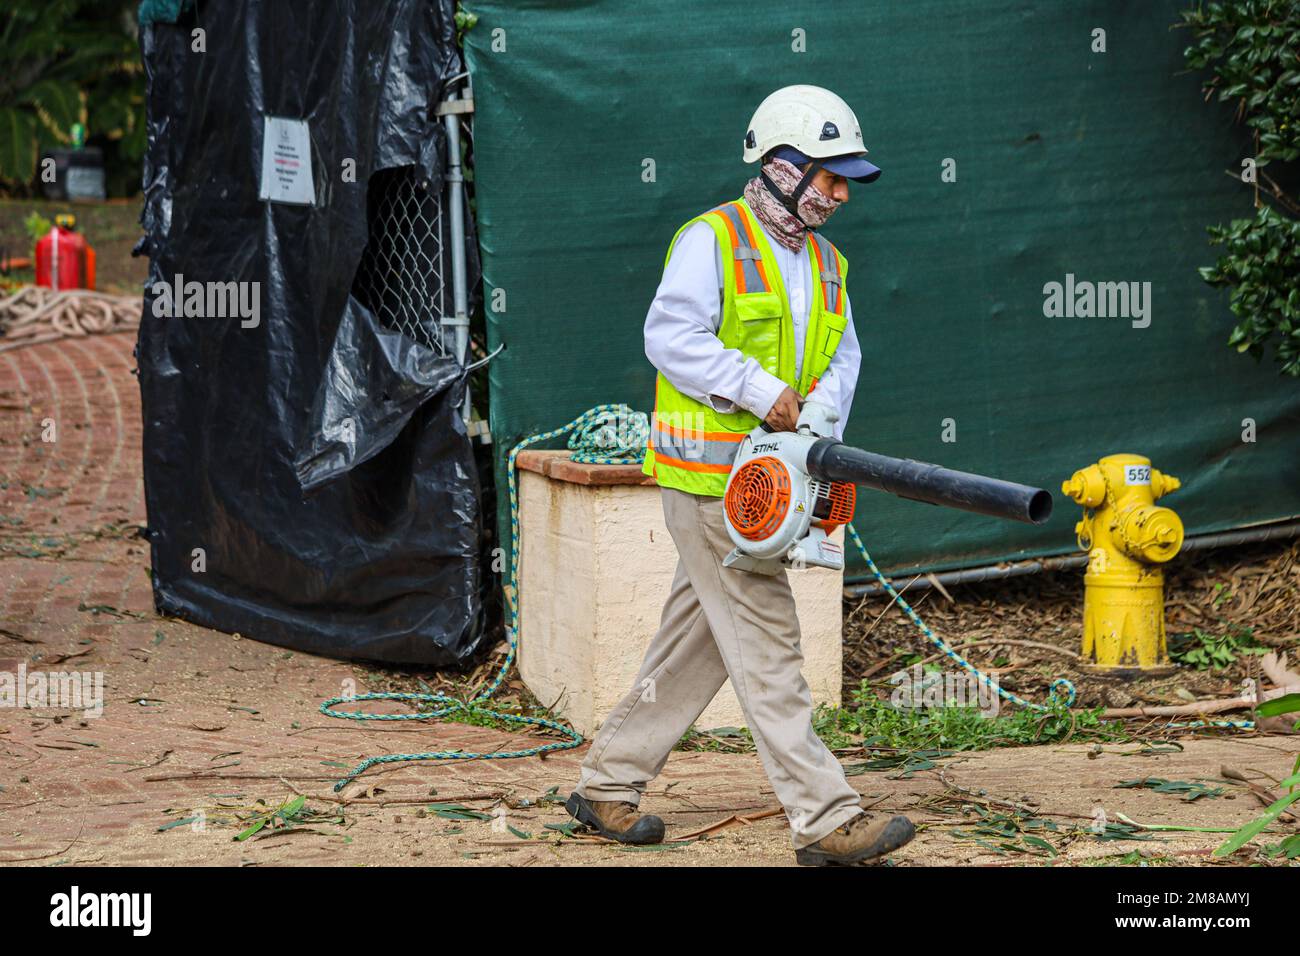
(855, 168)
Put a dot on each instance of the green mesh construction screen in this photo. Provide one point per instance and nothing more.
(1102, 166)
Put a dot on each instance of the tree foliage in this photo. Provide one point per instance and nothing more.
(1252, 50)
(67, 62)
(1262, 267)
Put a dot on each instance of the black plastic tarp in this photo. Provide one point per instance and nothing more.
(308, 479)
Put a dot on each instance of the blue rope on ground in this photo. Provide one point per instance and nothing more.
(604, 435)
(1062, 691)
(617, 435)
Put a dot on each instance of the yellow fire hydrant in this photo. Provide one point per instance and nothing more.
(1128, 537)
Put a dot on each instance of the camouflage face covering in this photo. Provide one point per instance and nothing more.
(814, 205)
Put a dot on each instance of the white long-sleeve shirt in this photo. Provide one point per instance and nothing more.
(681, 333)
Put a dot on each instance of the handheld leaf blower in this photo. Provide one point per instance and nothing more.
(789, 491)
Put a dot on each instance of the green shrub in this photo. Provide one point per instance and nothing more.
(1252, 49)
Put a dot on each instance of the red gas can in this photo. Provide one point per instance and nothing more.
(64, 260)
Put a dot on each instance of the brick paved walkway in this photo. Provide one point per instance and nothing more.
(199, 724)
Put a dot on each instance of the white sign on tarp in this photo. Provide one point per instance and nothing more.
(286, 161)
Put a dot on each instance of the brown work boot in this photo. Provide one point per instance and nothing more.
(616, 819)
(860, 840)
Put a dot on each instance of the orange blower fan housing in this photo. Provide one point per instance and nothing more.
(758, 498)
(780, 516)
(787, 492)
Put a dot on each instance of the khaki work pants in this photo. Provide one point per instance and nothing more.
(717, 623)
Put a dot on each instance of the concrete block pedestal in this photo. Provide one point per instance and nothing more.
(595, 566)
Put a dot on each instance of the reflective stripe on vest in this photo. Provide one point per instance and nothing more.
(832, 281)
(751, 276)
(692, 447)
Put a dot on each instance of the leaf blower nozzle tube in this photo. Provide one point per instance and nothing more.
(831, 460)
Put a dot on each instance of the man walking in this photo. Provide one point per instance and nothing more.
(751, 322)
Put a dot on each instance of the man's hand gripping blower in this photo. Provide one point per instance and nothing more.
(789, 491)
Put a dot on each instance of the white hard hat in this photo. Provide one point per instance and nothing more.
(815, 123)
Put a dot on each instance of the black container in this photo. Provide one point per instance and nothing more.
(78, 174)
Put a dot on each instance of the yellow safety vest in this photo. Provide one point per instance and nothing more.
(691, 445)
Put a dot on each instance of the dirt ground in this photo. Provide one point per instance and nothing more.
(203, 734)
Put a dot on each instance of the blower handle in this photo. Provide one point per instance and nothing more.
(831, 460)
